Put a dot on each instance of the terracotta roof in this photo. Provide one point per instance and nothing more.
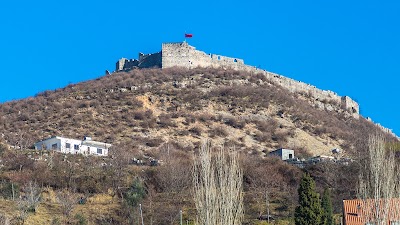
(353, 211)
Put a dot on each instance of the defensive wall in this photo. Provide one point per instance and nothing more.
(145, 61)
(183, 55)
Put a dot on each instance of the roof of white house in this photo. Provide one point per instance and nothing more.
(96, 144)
(281, 149)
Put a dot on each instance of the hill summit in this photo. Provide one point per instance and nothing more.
(185, 56)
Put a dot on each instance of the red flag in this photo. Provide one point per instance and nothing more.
(188, 35)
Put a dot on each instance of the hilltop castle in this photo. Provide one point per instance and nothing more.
(183, 55)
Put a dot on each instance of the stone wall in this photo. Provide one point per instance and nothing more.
(183, 55)
(150, 60)
(145, 61)
(124, 64)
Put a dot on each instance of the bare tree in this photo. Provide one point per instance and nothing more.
(67, 200)
(32, 195)
(378, 184)
(174, 174)
(29, 202)
(218, 183)
(23, 210)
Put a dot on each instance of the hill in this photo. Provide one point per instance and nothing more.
(167, 114)
(149, 107)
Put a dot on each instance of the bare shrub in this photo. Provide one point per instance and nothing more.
(165, 121)
(67, 200)
(196, 130)
(218, 130)
(174, 175)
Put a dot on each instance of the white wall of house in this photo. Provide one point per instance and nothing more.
(73, 146)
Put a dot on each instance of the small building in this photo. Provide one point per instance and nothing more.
(67, 145)
(283, 153)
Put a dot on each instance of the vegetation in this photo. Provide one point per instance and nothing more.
(164, 115)
(379, 188)
(218, 184)
(309, 210)
(327, 216)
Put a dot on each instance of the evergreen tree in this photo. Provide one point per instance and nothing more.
(309, 211)
(327, 216)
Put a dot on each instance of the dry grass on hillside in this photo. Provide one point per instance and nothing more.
(152, 106)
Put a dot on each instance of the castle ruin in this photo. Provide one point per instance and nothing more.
(183, 55)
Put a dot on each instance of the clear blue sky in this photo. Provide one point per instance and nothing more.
(350, 47)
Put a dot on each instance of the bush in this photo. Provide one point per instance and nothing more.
(81, 219)
(7, 188)
(196, 130)
(135, 193)
(218, 130)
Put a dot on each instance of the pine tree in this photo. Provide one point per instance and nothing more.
(327, 216)
(309, 211)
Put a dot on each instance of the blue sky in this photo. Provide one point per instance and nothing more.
(349, 47)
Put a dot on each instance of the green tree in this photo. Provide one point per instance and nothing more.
(327, 216)
(135, 193)
(309, 211)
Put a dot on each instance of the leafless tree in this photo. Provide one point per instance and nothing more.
(29, 202)
(379, 183)
(23, 210)
(67, 200)
(33, 193)
(120, 155)
(174, 174)
(217, 179)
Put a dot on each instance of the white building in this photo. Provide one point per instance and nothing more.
(283, 153)
(73, 146)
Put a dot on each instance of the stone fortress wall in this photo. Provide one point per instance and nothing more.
(184, 55)
(181, 54)
(145, 61)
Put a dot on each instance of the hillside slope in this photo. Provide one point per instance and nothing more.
(145, 108)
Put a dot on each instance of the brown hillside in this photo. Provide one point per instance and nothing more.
(167, 114)
(148, 107)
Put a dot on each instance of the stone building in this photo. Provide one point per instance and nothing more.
(283, 153)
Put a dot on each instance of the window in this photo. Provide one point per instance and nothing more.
(290, 156)
(54, 146)
(67, 145)
(99, 151)
(76, 147)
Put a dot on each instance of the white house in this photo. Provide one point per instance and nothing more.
(73, 146)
